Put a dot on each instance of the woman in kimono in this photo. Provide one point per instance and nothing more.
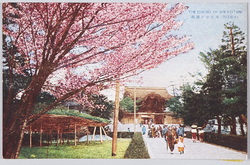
(201, 134)
(153, 131)
(171, 137)
(194, 132)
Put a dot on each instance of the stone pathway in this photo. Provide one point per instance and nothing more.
(157, 150)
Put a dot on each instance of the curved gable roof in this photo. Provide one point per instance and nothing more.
(142, 92)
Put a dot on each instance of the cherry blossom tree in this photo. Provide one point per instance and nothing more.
(73, 48)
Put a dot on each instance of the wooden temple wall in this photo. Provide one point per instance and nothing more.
(157, 119)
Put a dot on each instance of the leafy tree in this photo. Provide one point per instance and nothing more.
(176, 106)
(225, 86)
(235, 73)
(127, 104)
(68, 48)
(194, 105)
(102, 107)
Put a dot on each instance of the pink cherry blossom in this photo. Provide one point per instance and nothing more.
(114, 42)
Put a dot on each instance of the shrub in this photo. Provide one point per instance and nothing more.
(122, 134)
(137, 148)
(231, 141)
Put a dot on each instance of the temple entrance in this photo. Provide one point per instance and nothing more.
(152, 105)
(159, 119)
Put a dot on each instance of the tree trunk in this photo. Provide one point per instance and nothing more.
(219, 124)
(241, 125)
(244, 119)
(12, 141)
(205, 124)
(13, 130)
(233, 125)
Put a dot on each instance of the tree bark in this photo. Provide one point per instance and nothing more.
(205, 124)
(233, 125)
(14, 130)
(12, 143)
(219, 124)
(241, 125)
(244, 119)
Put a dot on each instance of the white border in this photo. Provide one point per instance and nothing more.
(124, 161)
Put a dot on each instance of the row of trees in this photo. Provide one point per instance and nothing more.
(222, 94)
(72, 50)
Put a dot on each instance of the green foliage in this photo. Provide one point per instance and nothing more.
(127, 104)
(137, 148)
(102, 106)
(45, 98)
(223, 93)
(176, 106)
(61, 111)
(122, 134)
(194, 105)
(231, 141)
(95, 150)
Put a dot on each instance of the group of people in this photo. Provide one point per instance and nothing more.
(174, 136)
(171, 134)
(156, 131)
(197, 133)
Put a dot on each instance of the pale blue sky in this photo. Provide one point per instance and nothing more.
(204, 22)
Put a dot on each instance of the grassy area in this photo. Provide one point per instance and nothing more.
(95, 150)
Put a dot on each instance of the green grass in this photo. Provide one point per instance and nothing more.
(95, 150)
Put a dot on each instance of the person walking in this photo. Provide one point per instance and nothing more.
(180, 130)
(153, 131)
(143, 130)
(194, 132)
(160, 131)
(171, 137)
(201, 134)
(180, 144)
(164, 131)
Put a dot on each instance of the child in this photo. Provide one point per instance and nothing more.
(180, 144)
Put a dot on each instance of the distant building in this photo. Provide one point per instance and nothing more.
(152, 106)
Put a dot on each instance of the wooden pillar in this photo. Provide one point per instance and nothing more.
(41, 136)
(87, 134)
(115, 121)
(57, 136)
(93, 134)
(30, 136)
(134, 110)
(100, 134)
(68, 138)
(61, 138)
(78, 134)
(47, 138)
(68, 135)
(75, 133)
(105, 133)
(51, 137)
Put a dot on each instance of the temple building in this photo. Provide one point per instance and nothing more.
(152, 106)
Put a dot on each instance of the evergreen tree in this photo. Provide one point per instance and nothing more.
(234, 60)
(226, 83)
